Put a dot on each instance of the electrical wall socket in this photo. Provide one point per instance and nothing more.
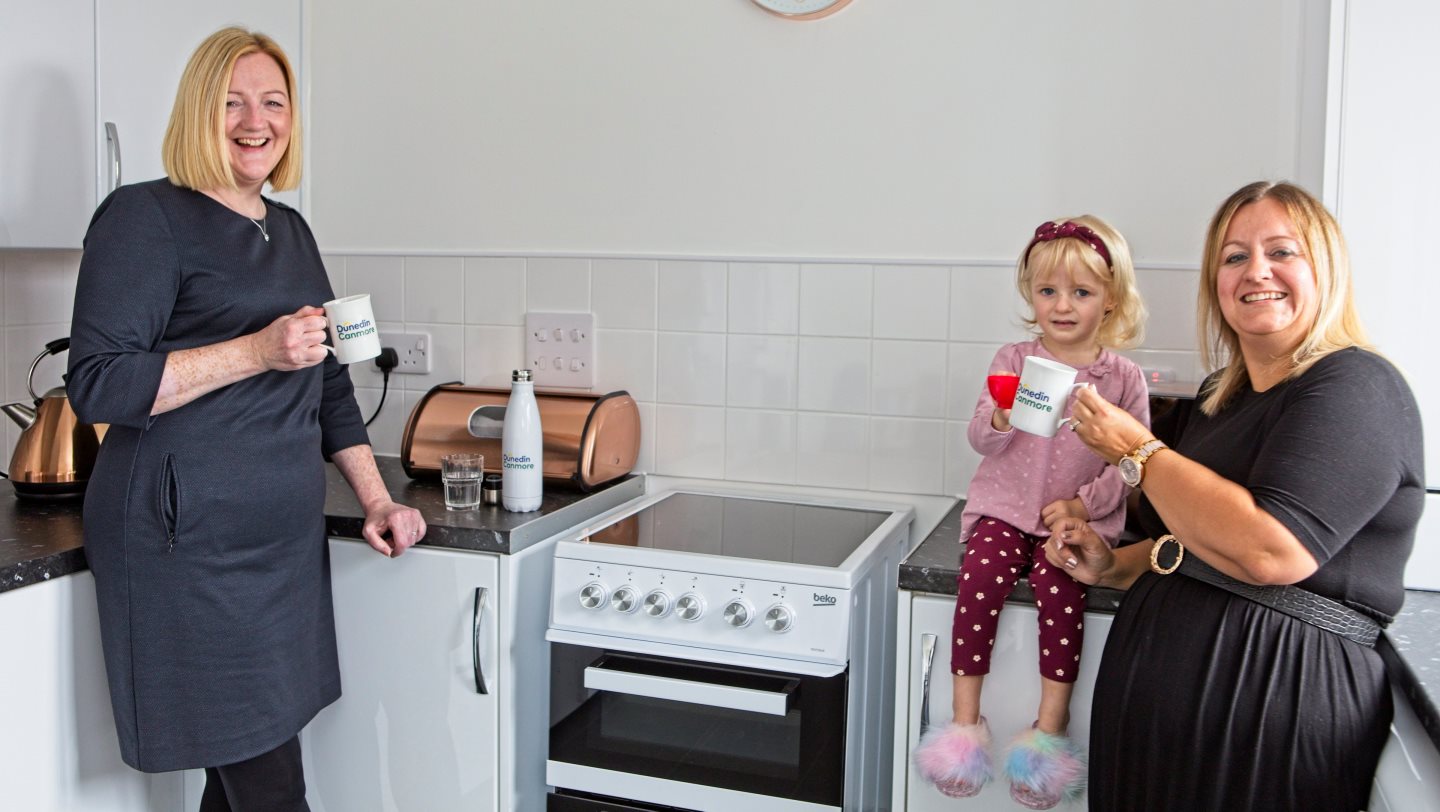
(414, 351)
(1158, 374)
(560, 349)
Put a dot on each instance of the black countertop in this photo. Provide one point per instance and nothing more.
(934, 566)
(43, 540)
(1410, 647)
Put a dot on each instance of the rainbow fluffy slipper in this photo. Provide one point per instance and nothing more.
(955, 758)
(1044, 769)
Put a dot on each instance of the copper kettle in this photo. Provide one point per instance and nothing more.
(56, 452)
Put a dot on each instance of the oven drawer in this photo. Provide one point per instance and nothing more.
(565, 801)
(632, 720)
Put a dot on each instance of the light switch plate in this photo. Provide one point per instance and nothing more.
(560, 349)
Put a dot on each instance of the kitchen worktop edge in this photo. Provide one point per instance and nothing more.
(42, 540)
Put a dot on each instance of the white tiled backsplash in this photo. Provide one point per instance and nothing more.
(851, 375)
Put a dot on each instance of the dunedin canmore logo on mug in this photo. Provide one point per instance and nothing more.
(348, 331)
(1042, 396)
(1033, 399)
(353, 336)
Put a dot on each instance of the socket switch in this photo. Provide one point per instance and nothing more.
(414, 350)
(560, 349)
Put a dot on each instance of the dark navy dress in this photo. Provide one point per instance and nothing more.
(1207, 701)
(204, 526)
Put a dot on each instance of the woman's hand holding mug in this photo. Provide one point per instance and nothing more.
(1107, 429)
(291, 342)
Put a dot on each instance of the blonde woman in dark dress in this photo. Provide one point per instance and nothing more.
(196, 336)
(1240, 672)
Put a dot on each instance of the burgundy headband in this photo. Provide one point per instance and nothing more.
(1050, 231)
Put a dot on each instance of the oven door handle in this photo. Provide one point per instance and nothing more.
(775, 703)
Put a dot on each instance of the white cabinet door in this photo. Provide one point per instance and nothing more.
(58, 749)
(410, 730)
(47, 121)
(1010, 698)
(139, 59)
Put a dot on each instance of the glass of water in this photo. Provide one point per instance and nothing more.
(462, 473)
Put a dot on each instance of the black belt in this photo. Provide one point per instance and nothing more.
(1301, 604)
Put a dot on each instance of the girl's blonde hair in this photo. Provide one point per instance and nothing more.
(1124, 325)
(1337, 324)
(195, 147)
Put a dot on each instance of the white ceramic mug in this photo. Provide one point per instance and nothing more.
(353, 335)
(1044, 392)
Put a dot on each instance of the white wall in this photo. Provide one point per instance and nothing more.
(853, 375)
(1386, 177)
(37, 293)
(635, 157)
(924, 129)
(870, 176)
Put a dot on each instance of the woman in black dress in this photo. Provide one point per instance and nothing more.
(196, 337)
(1301, 464)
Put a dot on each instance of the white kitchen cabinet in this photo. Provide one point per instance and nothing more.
(47, 95)
(1405, 780)
(69, 67)
(58, 749)
(410, 731)
(1009, 701)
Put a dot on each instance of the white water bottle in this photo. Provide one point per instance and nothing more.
(522, 447)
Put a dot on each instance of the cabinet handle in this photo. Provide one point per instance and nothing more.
(112, 151)
(476, 618)
(927, 661)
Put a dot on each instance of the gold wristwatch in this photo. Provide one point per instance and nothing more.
(1132, 465)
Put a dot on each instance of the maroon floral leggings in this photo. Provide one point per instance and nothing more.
(995, 557)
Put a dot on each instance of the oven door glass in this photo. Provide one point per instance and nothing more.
(762, 732)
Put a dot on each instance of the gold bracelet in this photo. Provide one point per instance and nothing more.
(1155, 555)
(1145, 437)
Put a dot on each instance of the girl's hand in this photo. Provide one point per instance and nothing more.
(1000, 420)
(291, 342)
(1064, 509)
(1107, 429)
(1079, 550)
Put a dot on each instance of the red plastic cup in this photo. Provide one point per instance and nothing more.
(1002, 388)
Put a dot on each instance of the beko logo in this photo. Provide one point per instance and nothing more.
(824, 600)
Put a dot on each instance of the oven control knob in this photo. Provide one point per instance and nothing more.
(657, 603)
(779, 618)
(690, 606)
(624, 600)
(592, 596)
(738, 613)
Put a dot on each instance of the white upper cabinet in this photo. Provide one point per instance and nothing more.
(69, 67)
(139, 56)
(47, 116)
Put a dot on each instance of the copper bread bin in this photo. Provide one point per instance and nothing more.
(589, 439)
